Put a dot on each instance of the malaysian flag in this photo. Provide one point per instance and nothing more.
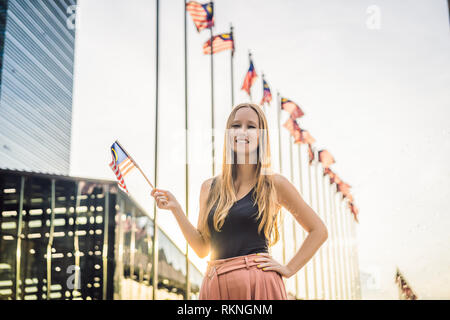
(221, 42)
(292, 108)
(306, 137)
(267, 96)
(326, 158)
(344, 188)
(121, 164)
(202, 14)
(249, 78)
(294, 129)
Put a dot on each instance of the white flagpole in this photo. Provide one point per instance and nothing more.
(311, 204)
(303, 230)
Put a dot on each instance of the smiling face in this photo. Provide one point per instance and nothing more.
(244, 131)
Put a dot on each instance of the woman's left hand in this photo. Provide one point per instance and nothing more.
(268, 263)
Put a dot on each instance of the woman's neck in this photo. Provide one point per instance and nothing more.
(246, 174)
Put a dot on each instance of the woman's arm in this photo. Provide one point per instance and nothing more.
(290, 198)
(165, 200)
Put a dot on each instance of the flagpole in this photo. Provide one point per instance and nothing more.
(344, 251)
(356, 261)
(250, 88)
(232, 67)
(281, 168)
(319, 212)
(212, 95)
(328, 223)
(155, 212)
(349, 250)
(264, 103)
(344, 254)
(334, 240)
(294, 230)
(338, 240)
(352, 255)
(135, 164)
(345, 238)
(311, 204)
(303, 230)
(188, 282)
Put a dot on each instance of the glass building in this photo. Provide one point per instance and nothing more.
(36, 78)
(64, 237)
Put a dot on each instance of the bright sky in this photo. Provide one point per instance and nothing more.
(371, 76)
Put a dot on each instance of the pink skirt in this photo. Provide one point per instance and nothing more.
(239, 278)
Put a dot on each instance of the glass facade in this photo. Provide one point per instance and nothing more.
(37, 60)
(72, 238)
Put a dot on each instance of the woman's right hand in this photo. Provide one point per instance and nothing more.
(164, 199)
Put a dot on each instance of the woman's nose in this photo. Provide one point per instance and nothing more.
(242, 130)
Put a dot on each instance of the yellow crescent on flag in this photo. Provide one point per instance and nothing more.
(115, 154)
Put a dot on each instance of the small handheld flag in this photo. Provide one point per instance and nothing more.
(122, 164)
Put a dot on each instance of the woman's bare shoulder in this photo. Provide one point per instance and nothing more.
(279, 181)
(282, 185)
(206, 185)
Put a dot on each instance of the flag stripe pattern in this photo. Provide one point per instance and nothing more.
(267, 95)
(294, 129)
(116, 170)
(292, 108)
(306, 137)
(202, 14)
(250, 78)
(326, 158)
(121, 164)
(221, 42)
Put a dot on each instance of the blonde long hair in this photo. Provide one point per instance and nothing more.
(223, 191)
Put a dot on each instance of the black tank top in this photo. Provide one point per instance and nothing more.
(239, 233)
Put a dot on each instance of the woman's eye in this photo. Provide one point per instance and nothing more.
(235, 125)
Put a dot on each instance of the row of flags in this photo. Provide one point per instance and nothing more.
(302, 136)
(405, 290)
(203, 18)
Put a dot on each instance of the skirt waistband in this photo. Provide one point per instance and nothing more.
(221, 266)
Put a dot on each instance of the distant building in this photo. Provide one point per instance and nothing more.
(36, 79)
(67, 237)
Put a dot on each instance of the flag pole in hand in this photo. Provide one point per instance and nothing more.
(132, 160)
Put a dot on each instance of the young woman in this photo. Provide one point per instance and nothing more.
(239, 216)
